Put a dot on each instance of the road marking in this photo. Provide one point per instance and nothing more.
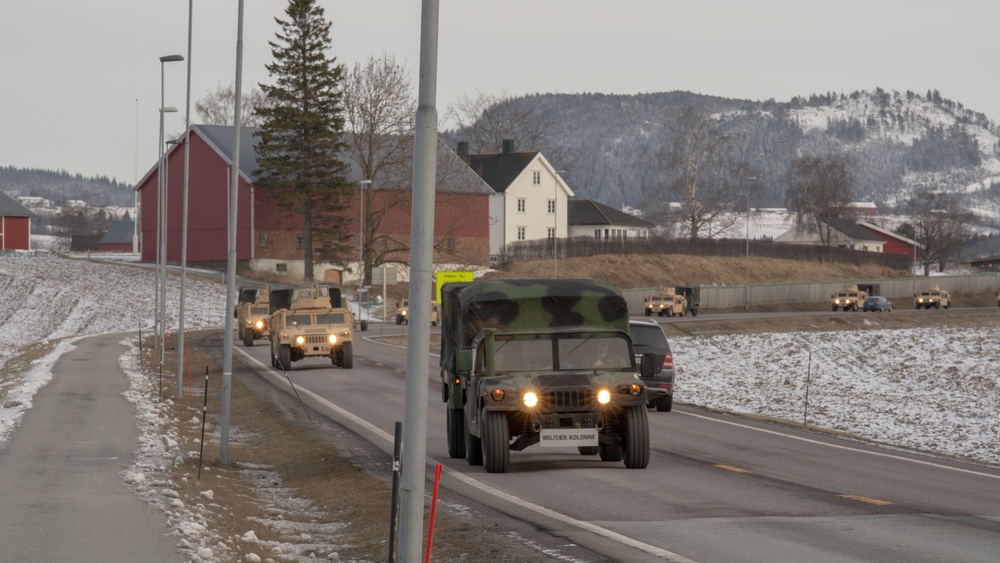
(869, 500)
(475, 483)
(839, 447)
(731, 468)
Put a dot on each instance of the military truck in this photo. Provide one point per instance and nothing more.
(850, 299)
(252, 314)
(315, 323)
(932, 296)
(692, 295)
(667, 302)
(541, 361)
(403, 312)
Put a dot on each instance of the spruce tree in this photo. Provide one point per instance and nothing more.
(302, 132)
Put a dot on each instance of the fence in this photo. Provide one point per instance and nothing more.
(735, 296)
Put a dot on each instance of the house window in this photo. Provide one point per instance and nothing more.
(552, 232)
(521, 205)
(536, 178)
(450, 244)
(300, 241)
(597, 234)
(281, 268)
(262, 240)
(521, 233)
(552, 206)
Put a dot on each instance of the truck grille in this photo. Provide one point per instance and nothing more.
(566, 399)
(316, 339)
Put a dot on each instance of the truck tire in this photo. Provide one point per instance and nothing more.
(364, 326)
(285, 357)
(648, 312)
(937, 305)
(834, 308)
(456, 433)
(665, 404)
(473, 445)
(399, 320)
(495, 442)
(587, 450)
(347, 353)
(610, 453)
(248, 337)
(274, 361)
(636, 437)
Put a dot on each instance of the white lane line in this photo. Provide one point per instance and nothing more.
(840, 447)
(592, 528)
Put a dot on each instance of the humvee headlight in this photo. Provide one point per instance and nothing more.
(260, 324)
(497, 394)
(604, 396)
(530, 399)
(300, 339)
(332, 338)
(634, 389)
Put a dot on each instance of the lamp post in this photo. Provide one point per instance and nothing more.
(555, 228)
(161, 227)
(361, 239)
(184, 212)
(746, 289)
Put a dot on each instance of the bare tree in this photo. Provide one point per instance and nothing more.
(84, 223)
(939, 225)
(218, 106)
(819, 189)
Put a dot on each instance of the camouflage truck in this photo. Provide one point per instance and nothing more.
(252, 314)
(932, 296)
(850, 299)
(403, 312)
(314, 323)
(666, 302)
(547, 362)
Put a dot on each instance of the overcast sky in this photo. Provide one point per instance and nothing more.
(81, 79)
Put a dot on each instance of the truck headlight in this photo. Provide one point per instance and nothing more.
(332, 338)
(530, 399)
(300, 340)
(260, 324)
(604, 396)
(497, 394)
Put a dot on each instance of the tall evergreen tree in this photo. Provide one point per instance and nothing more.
(302, 132)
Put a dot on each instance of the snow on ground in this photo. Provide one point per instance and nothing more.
(934, 390)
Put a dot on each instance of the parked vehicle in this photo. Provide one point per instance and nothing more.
(877, 303)
(648, 338)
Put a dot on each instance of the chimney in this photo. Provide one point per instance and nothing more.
(463, 150)
(508, 147)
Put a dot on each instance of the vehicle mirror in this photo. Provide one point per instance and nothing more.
(647, 365)
(463, 360)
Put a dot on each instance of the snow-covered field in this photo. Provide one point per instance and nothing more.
(934, 390)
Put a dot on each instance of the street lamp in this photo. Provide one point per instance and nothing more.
(555, 220)
(184, 212)
(361, 239)
(161, 229)
(746, 289)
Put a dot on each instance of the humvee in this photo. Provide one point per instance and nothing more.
(933, 296)
(403, 312)
(252, 314)
(850, 299)
(667, 302)
(315, 323)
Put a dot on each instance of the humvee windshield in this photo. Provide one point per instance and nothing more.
(560, 353)
(259, 310)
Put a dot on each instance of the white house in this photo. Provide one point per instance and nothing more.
(589, 218)
(530, 199)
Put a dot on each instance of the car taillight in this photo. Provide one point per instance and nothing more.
(668, 361)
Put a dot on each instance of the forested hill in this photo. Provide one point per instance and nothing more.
(615, 148)
(61, 186)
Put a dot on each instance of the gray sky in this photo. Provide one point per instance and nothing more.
(81, 79)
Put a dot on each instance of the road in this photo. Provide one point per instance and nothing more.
(718, 488)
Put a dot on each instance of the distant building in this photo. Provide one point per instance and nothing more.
(844, 233)
(589, 218)
(118, 238)
(15, 224)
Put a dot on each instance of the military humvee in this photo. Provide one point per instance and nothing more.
(403, 312)
(933, 296)
(547, 362)
(850, 299)
(314, 324)
(666, 302)
(252, 314)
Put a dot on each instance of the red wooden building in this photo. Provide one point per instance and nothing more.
(15, 224)
(891, 242)
(267, 242)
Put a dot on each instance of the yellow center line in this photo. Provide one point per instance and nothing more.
(866, 499)
(731, 468)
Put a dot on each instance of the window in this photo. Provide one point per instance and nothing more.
(597, 234)
(521, 233)
(536, 178)
(552, 232)
(262, 240)
(552, 206)
(521, 205)
(300, 241)
(281, 268)
(450, 244)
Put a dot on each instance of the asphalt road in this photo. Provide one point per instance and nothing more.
(718, 488)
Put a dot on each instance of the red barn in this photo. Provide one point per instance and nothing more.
(266, 241)
(892, 243)
(15, 224)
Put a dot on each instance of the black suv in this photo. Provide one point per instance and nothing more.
(648, 338)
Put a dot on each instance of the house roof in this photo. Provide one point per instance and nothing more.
(852, 230)
(500, 170)
(590, 212)
(119, 232)
(887, 233)
(10, 207)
